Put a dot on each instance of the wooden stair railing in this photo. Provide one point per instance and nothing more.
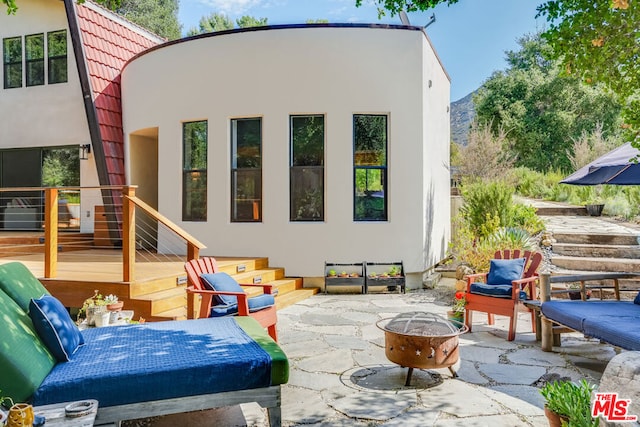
(129, 202)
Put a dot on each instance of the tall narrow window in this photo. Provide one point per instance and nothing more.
(370, 167)
(57, 54)
(194, 171)
(306, 175)
(34, 59)
(12, 60)
(246, 170)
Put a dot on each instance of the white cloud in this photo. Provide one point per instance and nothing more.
(234, 7)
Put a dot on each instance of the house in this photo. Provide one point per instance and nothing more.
(302, 143)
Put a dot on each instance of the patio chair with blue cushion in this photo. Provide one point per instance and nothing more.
(222, 295)
(511, 279)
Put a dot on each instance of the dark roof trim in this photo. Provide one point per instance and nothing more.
(276, 27)
(85, 84)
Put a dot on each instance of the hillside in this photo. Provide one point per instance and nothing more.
(461, 116)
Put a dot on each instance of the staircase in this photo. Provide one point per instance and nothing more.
(592, 244)
(164, 298)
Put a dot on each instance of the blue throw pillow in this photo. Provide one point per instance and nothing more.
(224, 283)
(55, 327)
(637, 299)
(504, 271)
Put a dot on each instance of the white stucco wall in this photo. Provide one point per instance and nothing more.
(47, 115)
(273, 74)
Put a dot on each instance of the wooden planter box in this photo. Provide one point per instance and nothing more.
(391, 282)
(349, 268)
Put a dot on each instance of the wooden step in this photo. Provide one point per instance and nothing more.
(597, 239)
(233, 266)
(562, 211)
(293, 297)
(179, 313)
(264, 275)
(157, 302)
(596, 250)
(140, 288)
(597, 264)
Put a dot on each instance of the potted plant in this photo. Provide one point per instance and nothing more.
(92, 307)
(344, 274)
(332, 273)
(567, 402)
(112, 302)
(574, 292)
(456, 314)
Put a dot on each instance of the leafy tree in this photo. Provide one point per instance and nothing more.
(211, 23)
(249, 21)
(594, 40)
(221, 22)
(541, 110)
(158, 16)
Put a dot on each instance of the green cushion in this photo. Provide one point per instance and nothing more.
(20, 284)
(24, 359)
(279, 361)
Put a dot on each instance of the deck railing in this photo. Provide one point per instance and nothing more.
(128, 222)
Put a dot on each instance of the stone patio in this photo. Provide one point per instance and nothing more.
(340, 375)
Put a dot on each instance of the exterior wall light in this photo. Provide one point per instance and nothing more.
(85, 149)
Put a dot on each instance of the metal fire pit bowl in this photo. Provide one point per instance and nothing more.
(421, 340)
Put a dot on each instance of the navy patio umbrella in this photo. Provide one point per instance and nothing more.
(617, 167)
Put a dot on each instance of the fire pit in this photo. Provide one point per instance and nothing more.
(421, 340)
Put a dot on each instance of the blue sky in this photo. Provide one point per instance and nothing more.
(470, 37)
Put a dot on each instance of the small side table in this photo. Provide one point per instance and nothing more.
(55, 415)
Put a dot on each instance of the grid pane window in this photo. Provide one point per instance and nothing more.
(370, 167)
(246, 170)
(34, 59)
(306, 173)
(12, 61)
(194, 171)
(57, 54)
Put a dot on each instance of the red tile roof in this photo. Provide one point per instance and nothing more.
(109, 42)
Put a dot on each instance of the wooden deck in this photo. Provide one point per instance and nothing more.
(157, 291)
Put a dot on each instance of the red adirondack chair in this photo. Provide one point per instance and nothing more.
(511, 303)
(196, 267)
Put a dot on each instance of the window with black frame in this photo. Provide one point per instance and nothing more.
(246, 170)
(370, 167)
(34, 59)
(306, 174)
(12, 61)
(57, 55)
(194, 171)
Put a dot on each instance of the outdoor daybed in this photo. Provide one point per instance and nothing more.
(134, 371)
(613, 321)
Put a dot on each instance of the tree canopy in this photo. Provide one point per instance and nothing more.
(220, 22)
(543, 112)
(157, 16)
(598, 41)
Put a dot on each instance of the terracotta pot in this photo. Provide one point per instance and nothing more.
(116, 306)
(555, 419)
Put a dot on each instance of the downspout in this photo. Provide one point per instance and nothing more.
(92, 118)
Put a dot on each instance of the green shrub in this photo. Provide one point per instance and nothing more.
(483, 202)
(525, 217)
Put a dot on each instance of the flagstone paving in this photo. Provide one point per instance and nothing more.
(340, 376)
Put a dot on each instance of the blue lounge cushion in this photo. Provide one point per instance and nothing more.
(500, 291)
(504, 271)
(256, 303)
(222, 282)
(127, 364)
(637, 299)
(53, 324)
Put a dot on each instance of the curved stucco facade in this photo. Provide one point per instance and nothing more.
(272, 73)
